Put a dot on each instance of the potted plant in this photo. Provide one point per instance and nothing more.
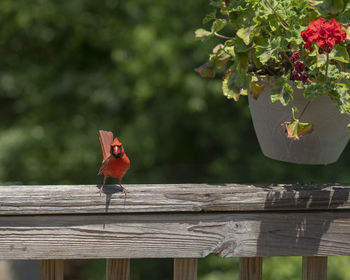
(292, 60)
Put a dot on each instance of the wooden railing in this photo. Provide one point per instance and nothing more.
(183, 222)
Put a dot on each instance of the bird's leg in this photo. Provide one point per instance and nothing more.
(104, 182)
(120, 184)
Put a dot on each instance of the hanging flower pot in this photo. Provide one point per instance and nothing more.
(322, 145)
(294, 67)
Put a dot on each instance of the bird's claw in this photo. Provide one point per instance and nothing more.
(100, 191)
(123, 190)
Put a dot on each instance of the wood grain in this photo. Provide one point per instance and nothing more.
(80, 199)
(51, 270)
(118, 269)
(314, 268)
(185, 269)
(250, 268)
(172, 235)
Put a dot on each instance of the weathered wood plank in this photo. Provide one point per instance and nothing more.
(51, 270)
(250, 268)
(175, 235)
(25, 200)
(314, 268)
(185, 269)
(118, 269)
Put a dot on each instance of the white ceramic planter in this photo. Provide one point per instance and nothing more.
(322, 146)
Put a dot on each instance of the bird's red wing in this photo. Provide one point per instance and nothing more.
(106, 138)
(105, 165)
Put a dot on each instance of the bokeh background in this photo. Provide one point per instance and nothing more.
(69, 68)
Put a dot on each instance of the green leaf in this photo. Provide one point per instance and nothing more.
(339, 53)
(255, 88)
(339, 93)
(269, 49)
(345, 79)
(202, 34)
(218, 25)
(219, 57)
(321, 60)
(236, 80)
(241, 13)
(330, 7)
(273, 23)
(313, 53)
(230, 50)
(246, 34)
(217, 4)
(240, 46)
(228, 87)
(295, 129)
(313, 90)
(333, 72)
(256, 61)
(344, 17)
(206, 70)
(242, 61)
(237, 6)
(294, 112)
(293, 35)
(282, 91)
(209, 17)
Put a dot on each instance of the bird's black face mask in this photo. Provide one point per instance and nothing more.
(117, 151)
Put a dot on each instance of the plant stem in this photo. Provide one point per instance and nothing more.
(284, 23)
(325, 76)
(223, 37)
(302, 113)
(288, 59)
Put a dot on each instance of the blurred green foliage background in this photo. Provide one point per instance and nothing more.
(70, 68)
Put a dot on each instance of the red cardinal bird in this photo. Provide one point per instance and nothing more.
(115, 162)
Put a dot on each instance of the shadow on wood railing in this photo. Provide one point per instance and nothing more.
(183, 222)
(305, 231)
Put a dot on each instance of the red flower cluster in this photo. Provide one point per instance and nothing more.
(295, 56)
(299, 72)
(324, 34)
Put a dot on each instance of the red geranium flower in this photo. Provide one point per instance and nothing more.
(295, 56)
(324, 34)
(299, 66)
